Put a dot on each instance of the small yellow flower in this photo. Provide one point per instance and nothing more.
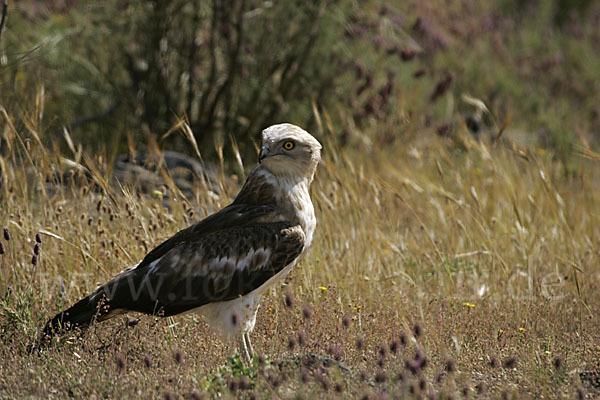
(500, 331)
(468, 304)
(157, 193)
(323, 288)
(522, 329)
(367, 278)
(357, 307)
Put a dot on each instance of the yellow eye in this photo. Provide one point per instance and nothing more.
(288, 145)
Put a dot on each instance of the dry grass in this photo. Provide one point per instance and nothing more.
(477, 258)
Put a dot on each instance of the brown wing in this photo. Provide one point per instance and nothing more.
(230, 217)
(216, 266)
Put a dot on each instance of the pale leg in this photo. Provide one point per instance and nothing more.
(249, 343)
(243, 349)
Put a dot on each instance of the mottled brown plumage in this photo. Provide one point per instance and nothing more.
(220, 266)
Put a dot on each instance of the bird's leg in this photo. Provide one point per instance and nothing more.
(243, 349)
(249, 343)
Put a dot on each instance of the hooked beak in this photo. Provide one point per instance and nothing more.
(264, 151)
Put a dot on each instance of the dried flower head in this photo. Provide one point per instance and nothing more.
(244, 383)
(34, 260)
(120, 361)
(346, 321)
(178, 356)
(38, 238)
(6, 235)
(403, 340)
(36, 249)
(450, 366)
(232, 385)
(169, 396)
(196, 396)
(383, 350)
(363, 375)
(292, 342)
(417, 330)
(381, 377)
(2, 250)
(304, 376)
(400, 377)
(301, 338)
(480, 388)
(509, 362)
(557, 362)
(289, 300)
(306, 312)
(360, 342)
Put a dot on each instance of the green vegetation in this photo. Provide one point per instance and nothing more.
(458, 229)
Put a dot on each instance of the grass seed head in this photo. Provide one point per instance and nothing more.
(34, 260)
(6, 235)
(36, 249)
(38, 238)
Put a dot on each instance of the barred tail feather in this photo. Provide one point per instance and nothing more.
(95, 307)
(81, 315)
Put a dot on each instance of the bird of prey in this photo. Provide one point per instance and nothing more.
(220, 266)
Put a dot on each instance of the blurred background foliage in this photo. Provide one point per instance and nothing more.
(373, 72)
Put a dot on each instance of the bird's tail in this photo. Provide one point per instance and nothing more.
(80, 315)
(95, 307)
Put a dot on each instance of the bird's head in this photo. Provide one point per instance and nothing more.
(288, 150)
